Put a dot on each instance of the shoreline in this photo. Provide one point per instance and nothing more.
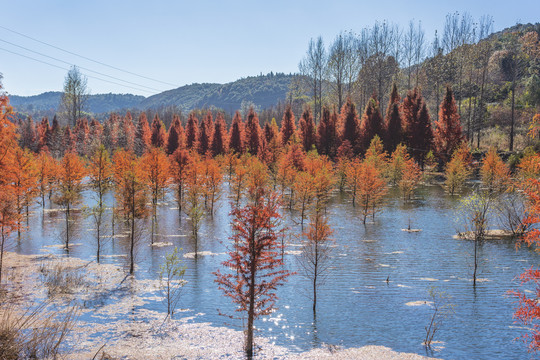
(123, 331)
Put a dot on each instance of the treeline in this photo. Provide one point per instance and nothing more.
(495, 76)
(338, 135)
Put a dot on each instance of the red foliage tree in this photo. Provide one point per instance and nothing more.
(143, 135)
(192, 132)
(42, 129)
(219, 140)
(175, 138)
(27, 134)
(255, 260)
(237, 138)
(327, 134)
(288, 126)
(96, 133)
(393, 125)
(81, 135)
(126, 132)
(158, 137)
(205, 134)
(350, 125)
(253, 133)
(308, 132)
(447, 134)
(418, 134)
(371, 124)
(180, 161)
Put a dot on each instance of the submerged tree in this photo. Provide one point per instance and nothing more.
(131, 195)
(100, 174)
(257, 268)
(70, 176)
(171, 277)
(315, 257)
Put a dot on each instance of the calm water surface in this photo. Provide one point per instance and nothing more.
(356, 306)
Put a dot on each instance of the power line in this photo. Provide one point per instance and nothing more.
(68, 63)
(60, 67)
(86, 58)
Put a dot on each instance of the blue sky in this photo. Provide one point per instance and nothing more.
(183, 42)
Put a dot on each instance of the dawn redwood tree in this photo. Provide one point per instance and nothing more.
(100, 175)
(393, 125)
(370, 188)
(9, 218)
(24, 175)
(42, 128)
(81, 133)
(205, 134)
(143, 135)
(254, 268)
(68, 141)
(212, 180)
(195, 193)
(308, 134)
(418, 134)
(54, 139)
(111, 130)
(236, 136)
(288, 126)
(315, 257)
(494, 173)
(96, 134)
(371, 124)
(327, 133)
(350, 126)
(410, 178)
(155, 170)
(131, 195)
(179, 163)
(158, 137)
(71, 172)
(272, 142)
(304, 188)
(175, 137)
(46, 170)
(126, 132)
(458, 169)
(219, 139)
(192, 132)
(447, 134)
(253, 133)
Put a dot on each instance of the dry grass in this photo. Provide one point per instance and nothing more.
(33, 333)
(61, 279)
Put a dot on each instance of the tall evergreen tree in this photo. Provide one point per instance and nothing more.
(351, 127)
(158, 133)
(205, 133)
(253, 133)
(447, 135)
(371, 124)
(288, 126)
(175, 137)
(142, 135)
(307, 129)
(192, 132)
(219, 139)
(418, 132)
(236, 138)
(327, 136)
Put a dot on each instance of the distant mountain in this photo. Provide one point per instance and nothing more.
(263, 91)
(97, 104)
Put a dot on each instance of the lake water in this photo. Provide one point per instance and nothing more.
(356, 306)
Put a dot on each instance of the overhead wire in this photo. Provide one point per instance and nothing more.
(86, 58)
(80, 67)
(63, 68)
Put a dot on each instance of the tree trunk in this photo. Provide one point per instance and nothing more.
(512, 117)
(2, 253)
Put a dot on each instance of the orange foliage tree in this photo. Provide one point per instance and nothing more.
(213, 177)
(71, 172)
(25, 177)
(8, 141)
(371, 188)
(494, 173)
(254, 268)
(155, 169)
(528, 310)
(100, 173)
(131, 195)
(458, 169)
(179, 162)
(195, 193)
(410, 178)
(304, 188)
(46, 169)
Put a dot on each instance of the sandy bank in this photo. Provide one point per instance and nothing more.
(119, 329)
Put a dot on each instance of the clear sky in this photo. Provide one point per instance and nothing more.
(184, 42)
